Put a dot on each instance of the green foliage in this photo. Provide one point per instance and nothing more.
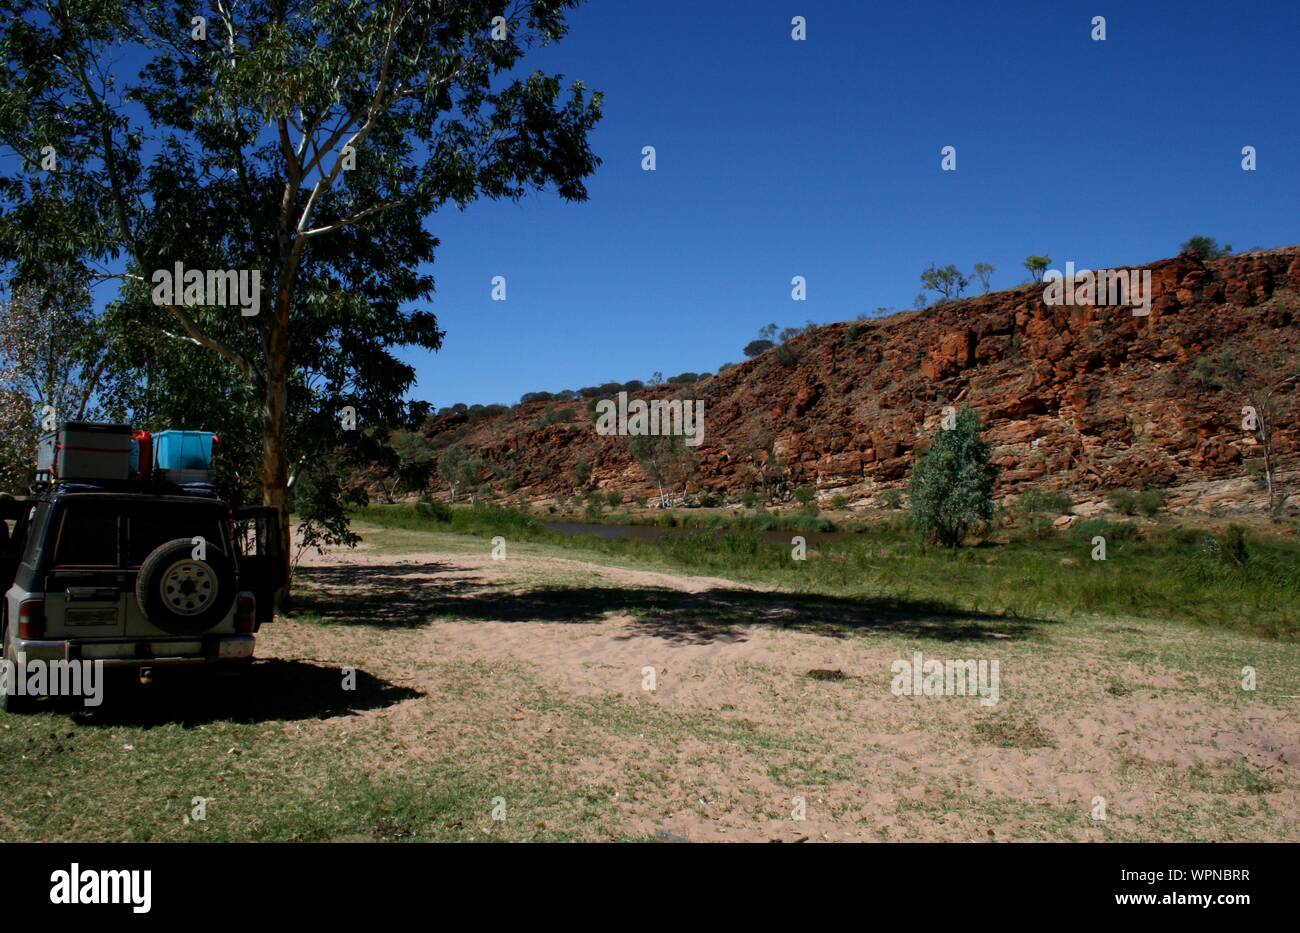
(52, 353)
(614, 497)
(947, 281)
(952, 484)
(1034, 502)
(452, 467)
(320, 502)
(805, 495)
(790, 333)
(1111, 531)
(558, 415)
(581, 473)
(229, 154)
(749, 498)
(984, 271)
(1037, 265)
(1222, 370)
(473, 481)
(1256, 473)
(1040, 527)
(1203, 372)
(1206, 247)
(1150, 501)
(1134, 502)
(1233, 547)
(416, 459)
(666, 461)
(838, 501)
(433, 511)
(755, 347)
(892, 499)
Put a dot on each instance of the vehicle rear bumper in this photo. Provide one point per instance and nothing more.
(207, 649)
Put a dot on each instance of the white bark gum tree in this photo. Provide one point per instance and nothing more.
(284, 98)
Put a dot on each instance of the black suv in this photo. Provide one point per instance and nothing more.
(133, 574)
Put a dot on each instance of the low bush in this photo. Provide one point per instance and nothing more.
(1040, 528)
(1033, 503)
(1137, 502)
(1111, 531)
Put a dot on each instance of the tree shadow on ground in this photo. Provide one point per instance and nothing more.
(405, 596)
(389, 595)
(269, 690)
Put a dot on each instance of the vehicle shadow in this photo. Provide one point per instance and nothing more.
(268, 690)
(401, 596)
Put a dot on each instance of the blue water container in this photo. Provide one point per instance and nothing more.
(183, 450)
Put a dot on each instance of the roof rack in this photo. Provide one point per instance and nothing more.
(155, 487)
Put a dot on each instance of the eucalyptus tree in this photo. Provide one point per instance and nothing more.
(305, 140)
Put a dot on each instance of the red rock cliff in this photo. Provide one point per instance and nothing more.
(1079, 398)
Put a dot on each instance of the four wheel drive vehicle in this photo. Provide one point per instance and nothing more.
(133, 574)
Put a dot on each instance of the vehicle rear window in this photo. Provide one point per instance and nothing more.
(88, 535)
(155, 524)
(91, 534)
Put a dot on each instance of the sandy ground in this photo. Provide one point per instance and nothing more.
(737, 741)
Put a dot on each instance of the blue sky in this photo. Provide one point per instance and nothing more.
(822, 159)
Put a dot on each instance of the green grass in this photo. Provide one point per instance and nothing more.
(1157, 572)
(129, 774)
(760, 520)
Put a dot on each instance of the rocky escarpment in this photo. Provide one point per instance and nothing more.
(1086, 399)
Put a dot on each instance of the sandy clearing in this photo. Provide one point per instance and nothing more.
(1170, 759)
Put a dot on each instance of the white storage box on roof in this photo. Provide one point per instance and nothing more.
(81, 450)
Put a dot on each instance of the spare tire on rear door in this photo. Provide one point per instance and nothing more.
(181, 594)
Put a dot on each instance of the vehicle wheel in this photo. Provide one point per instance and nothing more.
(11, 702)
(182, 595)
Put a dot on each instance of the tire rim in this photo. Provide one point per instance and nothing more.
(188, 587)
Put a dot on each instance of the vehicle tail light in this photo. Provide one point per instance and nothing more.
(31, 618)
(246, 619)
